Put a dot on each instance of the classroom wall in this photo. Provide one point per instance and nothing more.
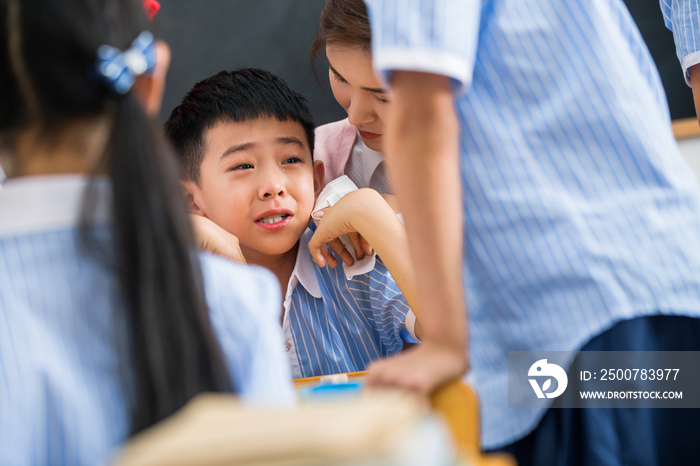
(207, 36)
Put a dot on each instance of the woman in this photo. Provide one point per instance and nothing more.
(352, 146)
(108, 322)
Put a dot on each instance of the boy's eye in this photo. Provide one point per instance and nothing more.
(292, 160)
(243, 166)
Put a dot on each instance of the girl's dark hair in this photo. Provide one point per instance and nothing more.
(48, 50)
(342, 22)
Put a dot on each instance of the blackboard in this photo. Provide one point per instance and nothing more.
(207, 36)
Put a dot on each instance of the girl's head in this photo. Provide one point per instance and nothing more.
(53, 102)
(48, 51)
(344, 36)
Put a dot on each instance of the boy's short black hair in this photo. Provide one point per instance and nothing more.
(232, 96)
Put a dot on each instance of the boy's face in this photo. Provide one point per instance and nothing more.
(258, 182)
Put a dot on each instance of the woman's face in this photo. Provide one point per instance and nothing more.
(357, 89)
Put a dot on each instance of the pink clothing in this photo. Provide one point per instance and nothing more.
(333, 146)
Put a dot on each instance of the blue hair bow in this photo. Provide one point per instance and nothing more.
(120, 69)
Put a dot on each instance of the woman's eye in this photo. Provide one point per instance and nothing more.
(338, 78)
(384, 101)
(292, 160)
(243, 166)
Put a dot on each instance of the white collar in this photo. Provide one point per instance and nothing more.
(40, 203)
(371, 160)
(304, 272)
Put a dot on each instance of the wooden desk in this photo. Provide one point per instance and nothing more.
(686, 128)
(458, 405)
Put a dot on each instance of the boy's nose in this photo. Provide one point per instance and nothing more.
(272, 189)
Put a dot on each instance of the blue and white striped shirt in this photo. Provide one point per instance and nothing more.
(66, 380)
(682, 17)
(579, 209)
(333, 324)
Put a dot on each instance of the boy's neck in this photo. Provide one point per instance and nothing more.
(281, 265)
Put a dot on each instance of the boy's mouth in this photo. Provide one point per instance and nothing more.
(270, 219)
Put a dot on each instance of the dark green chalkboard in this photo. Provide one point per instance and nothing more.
(207, 36)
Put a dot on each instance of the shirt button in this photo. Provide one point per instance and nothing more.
(287, 346)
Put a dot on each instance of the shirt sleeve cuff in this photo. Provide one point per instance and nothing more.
(388, 59)
(411, 326)
(690, 60)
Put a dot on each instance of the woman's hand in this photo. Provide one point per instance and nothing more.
(211, 237)
(353, 215)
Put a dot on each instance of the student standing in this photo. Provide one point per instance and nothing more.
(109, 320)
(530, 146)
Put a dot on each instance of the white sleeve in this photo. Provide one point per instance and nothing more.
(438, 36)
(244, 306)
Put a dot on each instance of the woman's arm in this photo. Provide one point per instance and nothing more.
(694, 72)
(366, 212)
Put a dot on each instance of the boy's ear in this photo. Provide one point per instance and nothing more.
(149, 88)
(319, 172)
(192, 195)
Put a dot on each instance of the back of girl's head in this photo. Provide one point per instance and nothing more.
(48, 52)
(232, 96)
(342, 22)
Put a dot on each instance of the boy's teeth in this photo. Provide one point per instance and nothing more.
(273, 218)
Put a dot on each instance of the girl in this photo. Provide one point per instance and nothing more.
(108, 321)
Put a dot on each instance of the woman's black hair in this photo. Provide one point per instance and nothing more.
(342, 22)
(48, 50)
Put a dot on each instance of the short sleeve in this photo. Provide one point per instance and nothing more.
(682, 17)
(394, 319)
(244, 305)
(432, 36)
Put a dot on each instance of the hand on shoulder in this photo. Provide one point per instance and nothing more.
(360, 214)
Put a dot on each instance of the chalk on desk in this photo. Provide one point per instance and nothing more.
(333, 379)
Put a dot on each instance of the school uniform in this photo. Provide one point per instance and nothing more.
(66, 372)
(579, 211)
(336, 322)
(339, 146)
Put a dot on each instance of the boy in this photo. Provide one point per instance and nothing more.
(246, 142)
